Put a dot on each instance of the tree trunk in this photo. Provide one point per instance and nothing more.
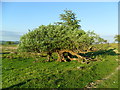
(49, 56)
(61, 56)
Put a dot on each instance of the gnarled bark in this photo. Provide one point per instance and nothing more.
(61, 56)
(49, 55)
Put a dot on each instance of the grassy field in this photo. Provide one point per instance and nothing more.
(27, 70)
(111, 82)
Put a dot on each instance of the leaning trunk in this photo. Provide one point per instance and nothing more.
(61, 56)
(49, 56)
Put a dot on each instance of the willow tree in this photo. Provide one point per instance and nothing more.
(58, 38)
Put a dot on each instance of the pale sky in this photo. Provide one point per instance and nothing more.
(18, 17)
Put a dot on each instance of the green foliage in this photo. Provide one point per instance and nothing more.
(9, 42)
(69, 19)
(51, 38)
(117, 38)
(56, 37)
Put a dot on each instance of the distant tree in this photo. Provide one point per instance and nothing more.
(101, 40)
(9, 42)
(117, 38)
(105, 41)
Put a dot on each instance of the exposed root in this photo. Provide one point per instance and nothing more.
(61, 57)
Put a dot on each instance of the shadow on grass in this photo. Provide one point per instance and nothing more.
(18, 85)
(100, 52)
(4, 52)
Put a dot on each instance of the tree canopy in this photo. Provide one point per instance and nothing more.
(117, 38)
(57, 37)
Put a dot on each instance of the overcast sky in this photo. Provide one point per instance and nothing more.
(18, 17)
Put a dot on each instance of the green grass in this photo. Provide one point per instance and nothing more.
(53, 74)
(112, 82)
(20, 71)
(114, 45)
(7, 48)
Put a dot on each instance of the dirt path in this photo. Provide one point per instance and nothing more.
(93, 84)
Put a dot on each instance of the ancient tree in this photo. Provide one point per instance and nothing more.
(61, 37)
